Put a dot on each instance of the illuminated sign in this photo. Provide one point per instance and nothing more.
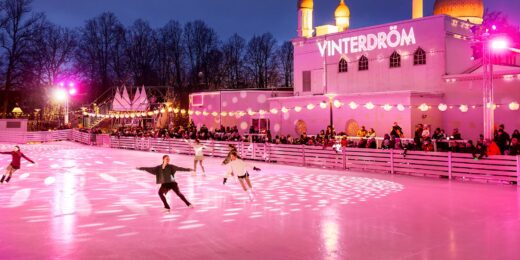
(368, 42)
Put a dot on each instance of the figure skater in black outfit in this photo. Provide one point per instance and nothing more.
(165, 175)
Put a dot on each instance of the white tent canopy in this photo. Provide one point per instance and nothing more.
(122, 101)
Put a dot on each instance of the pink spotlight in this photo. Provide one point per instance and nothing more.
(62, 84)
(499, 44)
(71, 84)
(494, 27)
(73, 91)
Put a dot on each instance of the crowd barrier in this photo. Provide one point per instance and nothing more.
(462, 166)
(35, 137)
(498, 168)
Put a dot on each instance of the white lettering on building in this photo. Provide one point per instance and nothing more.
(369, 42)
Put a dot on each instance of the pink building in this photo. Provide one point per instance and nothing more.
(414, 71)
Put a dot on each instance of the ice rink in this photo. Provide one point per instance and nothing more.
(81, 202)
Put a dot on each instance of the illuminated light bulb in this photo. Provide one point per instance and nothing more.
(156, 112)
(162, 110)
(323, 105)
(170, 109)
(285, 110)
(353, 105)
(197, 113)
(183, 111)
(143, 114)
(297, 108)
(274, 111)
(369, 106)
(251, 112)
(231, 114)
(127, 116)
(337, 103)
(132, 115)
(400, 107)
(387, 107)
(443, 107)
(463, 108)
(117, 116)
(261, 112)
(176, 110)
(214, 113)
(514, 106)
(423, 107)
(223, 113)
(310, 106)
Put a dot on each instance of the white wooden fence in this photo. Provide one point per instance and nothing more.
(32, 137)
(500, 168)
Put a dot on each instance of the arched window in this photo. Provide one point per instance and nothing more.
(395, 60)
(419, 57)
(363, 63)
(343, 65)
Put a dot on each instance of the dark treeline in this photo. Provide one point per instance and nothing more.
(35, 54)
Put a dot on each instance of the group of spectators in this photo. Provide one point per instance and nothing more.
(424, 139)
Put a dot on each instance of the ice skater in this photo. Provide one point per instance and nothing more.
(234, 149)
(199, 155)
(15, 163)
(165, 175)
(239, 168)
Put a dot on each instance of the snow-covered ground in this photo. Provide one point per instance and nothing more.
(82, 202)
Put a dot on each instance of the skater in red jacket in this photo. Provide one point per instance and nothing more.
(15, 163)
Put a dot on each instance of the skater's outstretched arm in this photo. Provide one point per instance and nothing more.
(181, 169)
(151, 170)
(6, 152)
(27, 158)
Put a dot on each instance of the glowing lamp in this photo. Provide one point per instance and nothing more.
(387, 107)
(163, 110)
(251, 112)
(369, 106)
(143, 114)
(198, 113)
(85, 113)
(297, 108)
(60, 94)
(499, 44)
(73, 91)
(132, 115)
(150, 113)
(176, 110)
(310, 106)
(423, 107)
(353, 105)
(285, 110)
(261, 112)
(443, 107)
(170, 109)
(156, 112)
(274, 111)
(463, 108)
(117, 116)
(223, 113)
(183, 111)
(323, 105)
(514, 106)
(214, 114)
(127, 116)
(337, 103)
(231, 114)
(400, 107)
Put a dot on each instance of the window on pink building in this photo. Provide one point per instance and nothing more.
(197, 100)
(306, 78)
(419, 57)
(395, 60)
(343, 66)
(363, 63)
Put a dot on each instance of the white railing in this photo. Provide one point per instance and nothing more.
(38, 137)
(500, 168)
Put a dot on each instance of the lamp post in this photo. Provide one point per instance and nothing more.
(490, 45)
(63, 94)
(331, 112)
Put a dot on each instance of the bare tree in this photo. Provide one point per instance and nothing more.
(101, 41)
(141, 51)
(171, 55)
(200, 40)
(233, 55)
(261, 60)
(285, 55)
(18, 26)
